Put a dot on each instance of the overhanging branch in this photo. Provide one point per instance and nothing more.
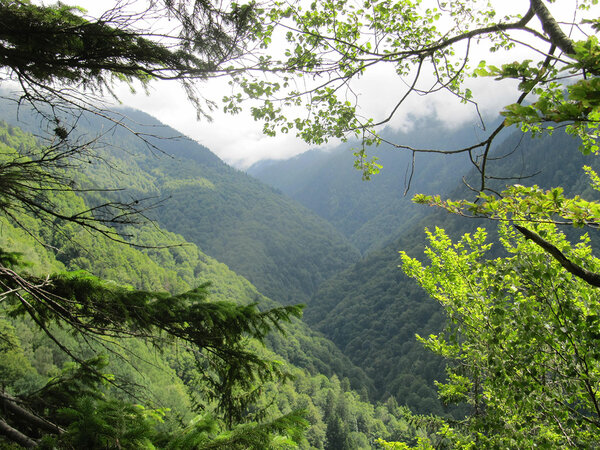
(551, 27)
(591, 278)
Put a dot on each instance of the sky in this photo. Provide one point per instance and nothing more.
(239, 140)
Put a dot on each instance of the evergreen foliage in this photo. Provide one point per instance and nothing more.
(65, 59)
(101, 312)
(90, 53)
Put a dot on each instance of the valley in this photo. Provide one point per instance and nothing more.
(355, 346)
(406, 261)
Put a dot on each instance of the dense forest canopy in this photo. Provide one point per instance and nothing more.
(522, 326)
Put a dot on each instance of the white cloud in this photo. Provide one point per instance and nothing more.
(239, 139)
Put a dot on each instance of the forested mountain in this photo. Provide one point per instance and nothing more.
(368, 213)
(281, 247)
(117, 331)
(166, 377)
(372, 311)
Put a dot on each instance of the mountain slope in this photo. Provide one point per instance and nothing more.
(372, 311)
(163, 374)
(282, 248)
(169, 263)
(369, 212)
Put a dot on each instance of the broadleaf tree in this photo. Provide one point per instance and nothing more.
(431, 48)
(521, 339)
(522, 328)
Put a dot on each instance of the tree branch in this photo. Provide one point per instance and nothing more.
(551, 27)
(9, 403)
(16, 436)
(591, 278)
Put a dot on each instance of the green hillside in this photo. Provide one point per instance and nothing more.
(372, 311)
(164, 377)
(285, 250)
(369, 212)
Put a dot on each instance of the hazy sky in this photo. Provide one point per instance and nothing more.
(239, 140)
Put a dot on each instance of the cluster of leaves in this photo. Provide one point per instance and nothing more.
(520, 343)
(521, 340)
(341, 41)
(331, 45)
(574, 105)
(526, 204)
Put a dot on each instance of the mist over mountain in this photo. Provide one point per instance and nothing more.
(281, 247)
(368, 213)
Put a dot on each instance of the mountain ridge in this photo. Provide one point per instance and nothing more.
(368, 212)
(278, 245)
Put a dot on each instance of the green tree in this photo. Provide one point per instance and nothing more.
(64, 62)
(432, 48)
(100, 312)
(62, 57)
(521, 340)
